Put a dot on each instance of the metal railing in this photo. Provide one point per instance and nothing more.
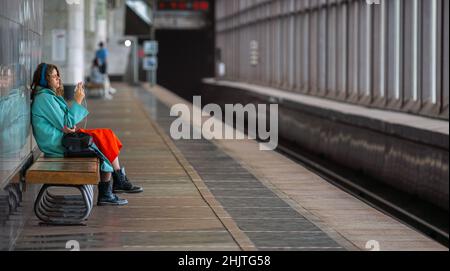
(393, 55)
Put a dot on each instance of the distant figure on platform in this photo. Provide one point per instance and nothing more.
(52, 117)
(102, 55)
(97, 77)
(98, 80)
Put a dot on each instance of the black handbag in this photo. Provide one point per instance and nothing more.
(78, 145)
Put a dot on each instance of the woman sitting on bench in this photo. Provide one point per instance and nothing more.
(51, 118)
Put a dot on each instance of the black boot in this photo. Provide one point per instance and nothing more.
(106, 197)
(122, 184)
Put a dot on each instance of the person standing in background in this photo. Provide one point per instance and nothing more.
(102, 55)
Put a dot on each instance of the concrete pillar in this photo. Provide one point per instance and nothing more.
(65, 19)
(75, 47)
(101, 22)
(90, 34)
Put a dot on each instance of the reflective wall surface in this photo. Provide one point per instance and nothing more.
(20, 53)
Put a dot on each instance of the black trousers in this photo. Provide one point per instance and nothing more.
(104, 68)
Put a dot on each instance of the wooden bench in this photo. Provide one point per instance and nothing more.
(79, 173)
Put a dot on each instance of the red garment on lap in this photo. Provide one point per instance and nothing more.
(107, 142)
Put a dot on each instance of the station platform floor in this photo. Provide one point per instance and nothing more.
(217, 195)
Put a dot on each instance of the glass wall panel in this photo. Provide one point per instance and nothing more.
(20, 43)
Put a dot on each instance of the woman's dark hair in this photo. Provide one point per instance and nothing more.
(37, 79)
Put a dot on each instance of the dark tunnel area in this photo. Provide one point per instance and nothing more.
(185, 58)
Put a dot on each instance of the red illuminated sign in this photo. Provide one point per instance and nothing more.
(183, 5)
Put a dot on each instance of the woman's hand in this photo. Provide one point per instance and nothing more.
(79, 93)
(67, 130)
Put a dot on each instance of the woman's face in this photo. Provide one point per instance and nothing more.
(54, 81)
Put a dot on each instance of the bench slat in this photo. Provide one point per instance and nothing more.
(64, 171)
(87, 167)
(74, 159)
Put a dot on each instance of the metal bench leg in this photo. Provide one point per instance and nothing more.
(64, 210)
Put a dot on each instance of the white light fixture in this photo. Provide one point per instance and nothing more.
(128, 43)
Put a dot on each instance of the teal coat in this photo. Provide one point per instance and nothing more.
(49, 114)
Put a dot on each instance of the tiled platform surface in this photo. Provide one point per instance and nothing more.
(263, 216)
(334, 211)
